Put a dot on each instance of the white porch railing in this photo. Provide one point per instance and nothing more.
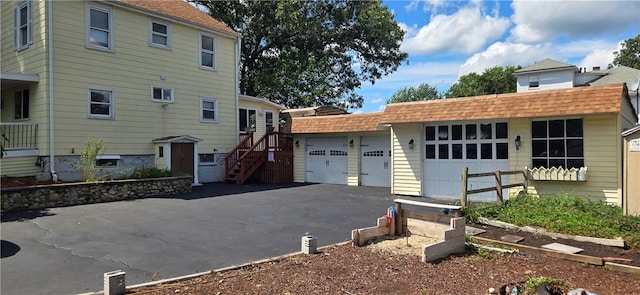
(18, 136)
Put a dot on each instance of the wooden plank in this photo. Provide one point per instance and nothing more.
(426, 216)
(365, 234)
(465, 186)
(622, 267)
(481, 190)
(484, 174)
(566, 256)
(512, 185)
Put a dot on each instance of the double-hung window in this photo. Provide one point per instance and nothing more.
(247, 120)
(100, 104)
(208, 109)
(207, 52)
(533, 81)
(162, 94)
(557, 143)
(99, 28)
(22, 25)
(159, 34)
(21, 104)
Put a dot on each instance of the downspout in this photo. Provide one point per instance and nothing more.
(52, 169)
(238, 53)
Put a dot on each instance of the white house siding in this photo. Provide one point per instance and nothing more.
(406, 163)
(130, 72)
(521, 158)
(260, 108)
(299, 159)
(32, 60)
(602, 154)
(547, 81)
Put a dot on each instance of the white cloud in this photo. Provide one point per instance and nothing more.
(506, 54)
(540, 21)
(382, 107)
(601, 57)
(467, 30)
(377, 100)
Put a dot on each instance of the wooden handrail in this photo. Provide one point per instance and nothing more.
(232, 158)
(497, 188)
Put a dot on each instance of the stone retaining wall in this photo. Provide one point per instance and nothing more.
(70, 194)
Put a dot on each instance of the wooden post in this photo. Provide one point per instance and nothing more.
(398, 218)
(525, 181)
(463, 192)
(499, 186)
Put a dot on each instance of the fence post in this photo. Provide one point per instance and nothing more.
(398, 218)
(463, 200)
(499, 186)
(525, 181)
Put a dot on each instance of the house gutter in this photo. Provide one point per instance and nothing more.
(52, 169)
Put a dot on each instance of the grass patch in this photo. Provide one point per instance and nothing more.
(564, 214)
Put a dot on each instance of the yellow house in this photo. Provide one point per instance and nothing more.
(430, 142)
(157, 80)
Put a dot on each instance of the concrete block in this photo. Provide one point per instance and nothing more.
(562, 248)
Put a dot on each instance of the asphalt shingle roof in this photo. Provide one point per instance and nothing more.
(337, 123)
(180, 10)
(546, 65)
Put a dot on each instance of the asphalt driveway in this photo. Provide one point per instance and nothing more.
(67, 250)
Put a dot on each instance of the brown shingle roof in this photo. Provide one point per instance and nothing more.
(560, 102)
(181, 10)
(337, 123)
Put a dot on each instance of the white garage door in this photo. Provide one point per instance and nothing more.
(327, 160)
(481, 146)
(375, 160)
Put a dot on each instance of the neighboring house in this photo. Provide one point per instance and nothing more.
(431, 141)
(157, 80)
(551, 74)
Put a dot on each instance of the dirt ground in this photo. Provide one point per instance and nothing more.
(392, 267)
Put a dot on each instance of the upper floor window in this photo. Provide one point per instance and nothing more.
(208, 109)
(99, 28)
(21, 104)
(159, 34)
(22, 25)
(100, 104)
(557, 143)
(533, 81)
(207, 52)
(162, 94)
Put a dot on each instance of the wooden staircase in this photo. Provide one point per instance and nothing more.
(248, 157)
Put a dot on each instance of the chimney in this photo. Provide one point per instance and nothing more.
(596, 68)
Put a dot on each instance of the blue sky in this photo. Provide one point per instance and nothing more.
(447, 39)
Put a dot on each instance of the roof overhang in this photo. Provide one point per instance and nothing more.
(14, 80)
(177, 139)
(261, 100)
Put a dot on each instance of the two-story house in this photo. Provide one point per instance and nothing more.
(565, 135)
(156, 80)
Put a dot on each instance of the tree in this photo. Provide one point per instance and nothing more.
(422, 92)
(495, 80)
(629, 54)
(311, 53)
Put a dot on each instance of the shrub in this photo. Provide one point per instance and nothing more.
(151, 173)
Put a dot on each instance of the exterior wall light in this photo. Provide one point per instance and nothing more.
(518, 142)
(297, 143)
(411, 143)
(351, 143)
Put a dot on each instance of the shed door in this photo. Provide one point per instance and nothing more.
(327, 160)
(182, 158)
(375, 161)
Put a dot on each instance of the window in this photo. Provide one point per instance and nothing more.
(161, 94)
(107, 160)
(268, 120)
(21, 104)
(207, 158)
(22, 25)
(99, 27)
(207, 52)
(533, 81)
(100, 104)
(159, 34)
(472, 141)
(247, 120)
(557, 143)
(208, 109)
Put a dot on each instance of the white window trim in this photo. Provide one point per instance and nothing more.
(151, 33)
(16, 26)
(111, 115)
(200, 51)
(87, 28)
(163, 90)
(534, 79)
(215, 110)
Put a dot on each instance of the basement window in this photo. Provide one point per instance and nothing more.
(107, 161)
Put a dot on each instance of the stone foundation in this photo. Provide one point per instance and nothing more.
(70, 194)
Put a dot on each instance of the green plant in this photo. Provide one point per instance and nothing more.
(553, 286)
(151, 173)
(93, 147)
